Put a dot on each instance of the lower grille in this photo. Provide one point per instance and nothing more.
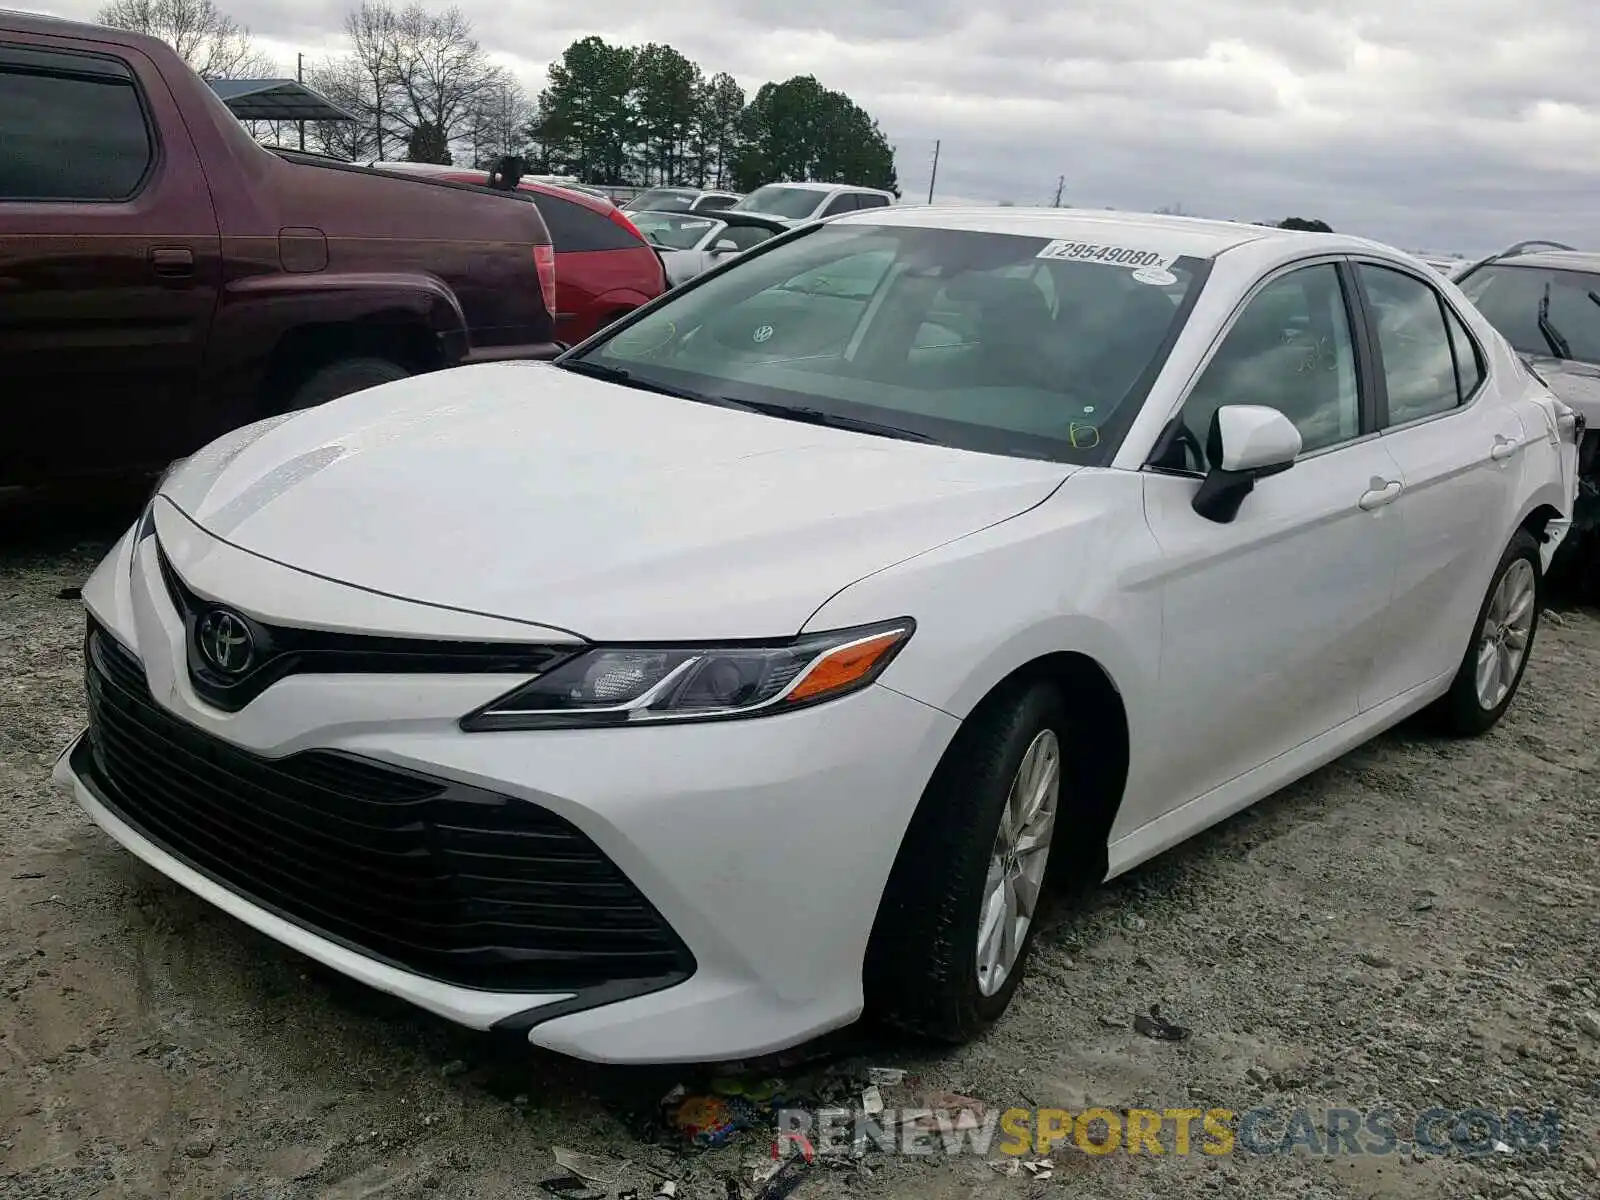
(455, 883)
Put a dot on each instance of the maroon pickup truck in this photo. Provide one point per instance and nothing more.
(164, 278)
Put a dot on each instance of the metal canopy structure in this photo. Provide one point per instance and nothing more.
(276, 100)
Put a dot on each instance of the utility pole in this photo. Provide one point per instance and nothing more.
(935, 173)
(1061, 183)
(300, 77)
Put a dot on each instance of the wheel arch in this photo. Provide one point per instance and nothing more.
(1099, 716)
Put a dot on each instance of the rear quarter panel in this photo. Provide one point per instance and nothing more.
(594, 287)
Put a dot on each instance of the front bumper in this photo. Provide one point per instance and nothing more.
(762, 844)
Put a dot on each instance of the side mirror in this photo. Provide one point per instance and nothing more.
(1246, 442)
(725, 246)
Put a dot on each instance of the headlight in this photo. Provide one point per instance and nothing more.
(643, 685)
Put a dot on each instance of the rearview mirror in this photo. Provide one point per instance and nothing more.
(1246, 442)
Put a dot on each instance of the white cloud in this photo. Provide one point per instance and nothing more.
(1434, 124)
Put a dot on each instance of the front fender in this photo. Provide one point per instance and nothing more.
(1061, 577)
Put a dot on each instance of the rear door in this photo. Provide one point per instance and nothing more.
(1456, 441)
(109, 263)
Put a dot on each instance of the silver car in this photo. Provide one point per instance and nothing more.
(800, 202)
(681, 200)
(691, 243)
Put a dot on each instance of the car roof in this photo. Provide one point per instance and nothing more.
(477, 175)
(1190, 236)
(1570, 260)
(806, 185)
(45, 24)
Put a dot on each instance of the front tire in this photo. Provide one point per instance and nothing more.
(960, 910)
(1502, 641)
(342, 378)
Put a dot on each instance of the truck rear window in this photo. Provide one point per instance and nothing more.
(70, 137)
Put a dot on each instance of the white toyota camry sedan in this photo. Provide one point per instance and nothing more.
(744, 670)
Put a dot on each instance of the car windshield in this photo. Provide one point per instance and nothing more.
(671, 231)
(663, 200)
(779, 201)
(1548, 311)
(984, 341)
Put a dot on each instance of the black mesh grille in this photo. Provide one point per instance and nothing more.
(455, 883)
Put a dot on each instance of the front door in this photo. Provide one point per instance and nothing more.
(108, 264)
(1271, 621)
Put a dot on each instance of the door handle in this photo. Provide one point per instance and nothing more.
(172, 261)
(1504, 447)
(1380, 493)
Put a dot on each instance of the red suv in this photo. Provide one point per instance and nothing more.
(604, 266)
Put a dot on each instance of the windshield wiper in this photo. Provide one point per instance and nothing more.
(809, 416)
(596, 370)
(816, 416)
(1552, 336)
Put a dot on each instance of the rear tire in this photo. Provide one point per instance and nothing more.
(926, 972)
(342, 378)
(1487, 680)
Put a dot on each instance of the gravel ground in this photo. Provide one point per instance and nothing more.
(1414, 926)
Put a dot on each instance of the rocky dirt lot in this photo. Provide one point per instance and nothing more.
(1416, 926)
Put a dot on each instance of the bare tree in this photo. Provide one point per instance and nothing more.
(204, 36)
(442, 75)
(410, 77)
(372, 67)
(500, 122)
(344, 82)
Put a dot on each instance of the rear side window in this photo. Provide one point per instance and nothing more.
(71, 136)
(574, 228)
(1469, 361)
(1418, 361)
(842, 203)
(713, 203)
(868, 200)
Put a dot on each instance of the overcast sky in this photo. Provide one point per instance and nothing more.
(1437, 125)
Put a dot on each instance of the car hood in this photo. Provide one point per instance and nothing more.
(519, 490)
(1575, 384)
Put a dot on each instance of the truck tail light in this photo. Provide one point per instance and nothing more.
(544, 262)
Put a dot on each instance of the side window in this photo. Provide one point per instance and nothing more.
(1290, 349)
(844, 202)
(71, 136)
(745, 236)
(713, 203)
(868, 200)
(1418, 365)
(574, 228)
(1469, 360)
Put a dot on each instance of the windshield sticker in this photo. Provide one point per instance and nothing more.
(1111, 256)
(1155, 276)
(1083, 437)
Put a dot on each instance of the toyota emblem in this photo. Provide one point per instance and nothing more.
(225, 642)
(764, 333)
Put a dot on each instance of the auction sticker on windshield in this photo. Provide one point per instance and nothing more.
(1111, 256)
